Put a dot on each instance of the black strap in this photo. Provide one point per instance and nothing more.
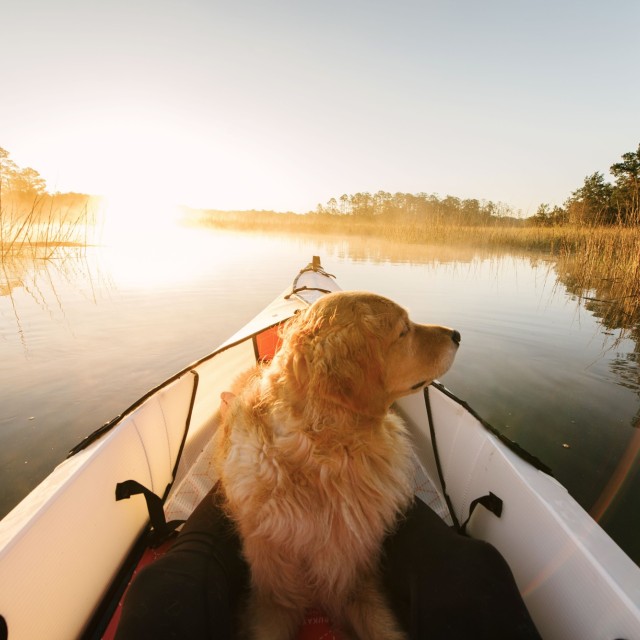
(434, 445)
(161, 529)
(491, 502)
(513, 446)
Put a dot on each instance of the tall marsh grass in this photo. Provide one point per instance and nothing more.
(400, 230)
(553, 239)
(602, 267)
(598, 264)
(42, 229)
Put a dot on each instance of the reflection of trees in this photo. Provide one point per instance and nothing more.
(39, 272)
(380, 249)
(608, 286)
(626, 368)
(8, 282)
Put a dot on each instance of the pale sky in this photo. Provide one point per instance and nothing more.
(284, 104)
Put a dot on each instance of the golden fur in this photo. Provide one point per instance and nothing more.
(314, 467)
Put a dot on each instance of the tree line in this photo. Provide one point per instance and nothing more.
(596, 202)
(25, 189)
(420, 206)
(19, 183)
(599, 202)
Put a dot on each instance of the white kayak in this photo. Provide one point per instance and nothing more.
(68, 549)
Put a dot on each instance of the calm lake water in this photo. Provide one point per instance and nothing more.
(85, 334)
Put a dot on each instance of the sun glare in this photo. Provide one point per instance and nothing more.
(145, 241)
(133, 220)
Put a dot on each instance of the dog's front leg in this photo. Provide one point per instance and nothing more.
(367, 613)
(278, 598)
(271, 620)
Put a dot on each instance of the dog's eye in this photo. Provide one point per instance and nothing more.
(405, 330)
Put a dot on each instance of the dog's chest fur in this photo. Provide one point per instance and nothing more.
(318, 494)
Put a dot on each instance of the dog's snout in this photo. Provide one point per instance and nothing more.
(456, 337)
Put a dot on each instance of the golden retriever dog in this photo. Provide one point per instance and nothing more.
(315, 468)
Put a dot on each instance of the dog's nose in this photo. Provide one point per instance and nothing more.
(456, 337)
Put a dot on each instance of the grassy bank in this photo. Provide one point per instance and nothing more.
(557, 240)
(598, 264)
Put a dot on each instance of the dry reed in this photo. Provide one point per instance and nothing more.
(41, 228)
(599, 264)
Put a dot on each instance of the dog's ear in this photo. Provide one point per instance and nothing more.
(226, 397)
(338, 357)
(347, 368)
(290, 357)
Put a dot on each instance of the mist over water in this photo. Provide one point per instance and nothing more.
(84, 333)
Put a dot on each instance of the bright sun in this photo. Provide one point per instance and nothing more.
(132, 219)
(147, 246)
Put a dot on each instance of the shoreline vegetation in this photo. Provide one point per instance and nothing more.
(598, 264)
(45, 225)
(594, 238)
(32, 219)
(513, 234)
(600, 219)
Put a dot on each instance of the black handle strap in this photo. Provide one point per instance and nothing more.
(161, 529)
(491, 502)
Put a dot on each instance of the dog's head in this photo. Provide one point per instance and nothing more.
(362, 351)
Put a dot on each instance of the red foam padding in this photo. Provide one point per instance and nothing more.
(267, 342)
(317, 626)
(149, 556)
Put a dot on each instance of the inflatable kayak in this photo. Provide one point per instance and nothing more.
(69, 549)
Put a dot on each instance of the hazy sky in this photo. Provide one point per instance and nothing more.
(284, 104)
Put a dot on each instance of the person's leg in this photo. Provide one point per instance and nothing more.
(193, 590)
(443, 585)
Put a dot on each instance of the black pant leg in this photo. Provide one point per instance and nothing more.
(193, 591)
(443, 585)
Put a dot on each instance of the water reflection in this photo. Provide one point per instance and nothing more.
(39, 277)
(609, 291)
(627, 370)
(87, 331)
(381, 250)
